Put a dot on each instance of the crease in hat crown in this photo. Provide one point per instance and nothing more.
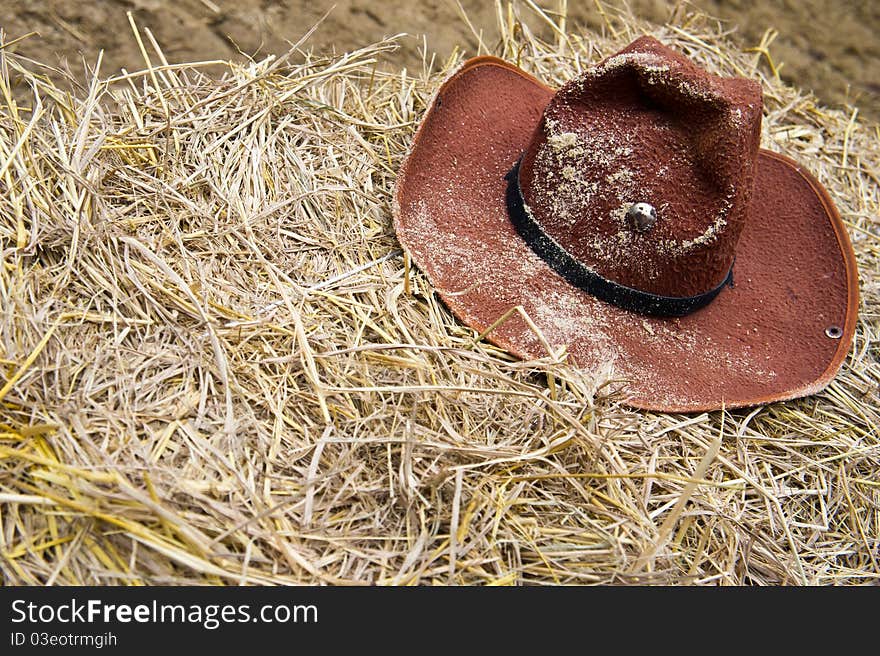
(646, 126)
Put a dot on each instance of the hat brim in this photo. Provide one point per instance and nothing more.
(780, 332)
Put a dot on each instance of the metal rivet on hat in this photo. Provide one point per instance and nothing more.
(641, 217)
(834, 332)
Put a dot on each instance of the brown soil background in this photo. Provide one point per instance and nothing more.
(829, 47)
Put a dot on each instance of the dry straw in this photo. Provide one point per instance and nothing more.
(217, 367)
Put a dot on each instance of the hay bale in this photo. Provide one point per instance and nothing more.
(218, 368)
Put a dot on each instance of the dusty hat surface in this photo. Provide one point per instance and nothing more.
(635, 192)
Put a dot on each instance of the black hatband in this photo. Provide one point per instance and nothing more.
(588, 280)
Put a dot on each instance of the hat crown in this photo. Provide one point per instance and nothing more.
(641, 169)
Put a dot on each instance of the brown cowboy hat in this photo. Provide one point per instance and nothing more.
(634, 218)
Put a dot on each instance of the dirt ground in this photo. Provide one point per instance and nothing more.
(829, 46)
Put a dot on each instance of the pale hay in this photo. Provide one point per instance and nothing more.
(217, 370)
